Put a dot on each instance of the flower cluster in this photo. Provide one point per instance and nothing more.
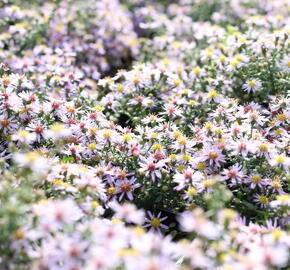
(144, 134)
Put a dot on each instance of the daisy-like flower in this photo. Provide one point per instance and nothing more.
(276, 185)
(282, 199)
(265, 149)
(171, 111)
(285, 64)
(39, 131)
(213, 95)
(196, 72)
(242, 147)
(262, 200)
(252, 85)
(187, 176)
(254, 117)
(58, 131)
(175, 82)
(127, 212)
(182, 143)
(73, 150)
(234, 64)
(152, 119)
(234, 174)
(151, 168)
(280, 161)
(125, 187)
(213, 155)
(32, 160)
(256, 180)
(192, 191)
(7, 124)
(24, 136)
(155, 222)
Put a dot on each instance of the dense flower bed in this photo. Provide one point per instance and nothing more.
(144, 134)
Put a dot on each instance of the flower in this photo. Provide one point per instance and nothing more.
(242, 147)
(151, 168)
(32, 160)
(280, 161)
(285, 64)
(262, 200)
(126, 186)
(234, 174)
(155, 222)
(213, 155)
(188, 176)
(24, 136)
(252, 85)
(256, 180)
(128, 212)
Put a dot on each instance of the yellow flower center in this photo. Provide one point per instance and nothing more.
(177, 82)
(157, 147)
(263, 199)
(182, 140)
(256, 179)
(234, 63)
(263, 148)
(173, 157)
(111, 191)
(280, 159)
(212, 94)
(191, 191)
(276, 184)
(155, 222)
(207, 183)
(208, 125)
(281, 117)
(213, 155)
(92, 146)
(186, 157)
(57, 127)
(127, 137)
(251, 84)
(5, 122)
(32, 157)
(136, 80)
(196, 70)
(201, 166)
(107, 134)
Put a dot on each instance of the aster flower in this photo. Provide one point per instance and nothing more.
(234, 174)
(252, 85)
(7, 124)
(125, 187)
(151, 168)
(155, 222)
(188, 176)
(128, 212)
(256, 180)
(24, 136)
(213, 155)
(38, 130)
(242, 147)
(262, 200)
(32, 160)
(285, 64)
(280, 161)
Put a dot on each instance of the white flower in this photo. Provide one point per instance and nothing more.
(33, 161)
(252, 86)
(128, 212)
